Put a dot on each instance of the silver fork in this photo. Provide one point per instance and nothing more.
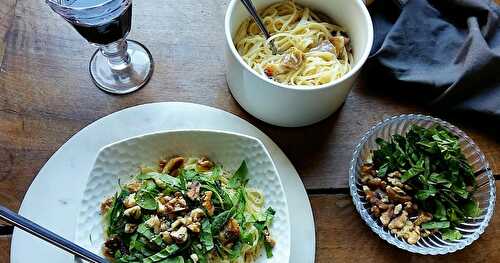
(49, 236)
(253, 12)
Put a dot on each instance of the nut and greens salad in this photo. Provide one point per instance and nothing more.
(420, 183)
(187, 210)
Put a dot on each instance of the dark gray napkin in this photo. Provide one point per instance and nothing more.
(446, 52)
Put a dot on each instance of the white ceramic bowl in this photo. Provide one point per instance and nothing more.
(120, 161)
(294, 106)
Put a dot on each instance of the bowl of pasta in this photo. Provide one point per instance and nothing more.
(321, 47)
(185, 196)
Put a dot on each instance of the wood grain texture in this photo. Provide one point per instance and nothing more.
(7, 8)
(342, 236)
(46, 96)
(5, 249)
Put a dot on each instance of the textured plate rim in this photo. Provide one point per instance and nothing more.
(212, 131)
(385, 235)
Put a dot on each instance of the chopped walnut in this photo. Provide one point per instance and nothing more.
(399, 222)
(195, 227)
(392, 204)
(384, 198)
(178, 203)
(106, 205)
(386, 216)
(426, 233)
(410, 208)
(395, 182)
(154, 223)
(230, 233)
(395, 174)
(376, 183)
(367, 168)
(112, 245)
(173, 164)
(129, 201)
(409, 231)
(166, 237)
(396, 196)
(162, 209)
(164, 226)
(398, 209)
(197, 214)
(130, 228)
(423, 217)
(207, 203)
(204, 164)
(134, 186)
(180, 235)
(375, 210)
(194, 190)
(178, 222)
(268, 239)
(133, 212)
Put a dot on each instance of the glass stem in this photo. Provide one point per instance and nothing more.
(116, 53)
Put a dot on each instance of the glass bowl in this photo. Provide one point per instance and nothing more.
(471, 229)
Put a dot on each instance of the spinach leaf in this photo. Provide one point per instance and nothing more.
(269, 249)
(449, 234)
(146, 200)
(115, 219)
(436, 225)
(145, 231)
(163, 254)
(240, 176)
(382, 170)
(220, 220)
(178, 259)
(440, 210)
(206, 235)
(432, 163)
(424, 194)
(471, 209)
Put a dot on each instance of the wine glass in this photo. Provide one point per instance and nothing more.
(119, 66)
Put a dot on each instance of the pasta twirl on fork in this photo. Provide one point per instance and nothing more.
(310, 52)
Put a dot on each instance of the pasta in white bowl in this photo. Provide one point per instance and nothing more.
(317, 61)
(311, 50)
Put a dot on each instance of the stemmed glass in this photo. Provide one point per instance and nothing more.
(120, 66)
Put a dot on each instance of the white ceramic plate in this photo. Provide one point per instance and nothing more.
(58, 187)
(119, 161)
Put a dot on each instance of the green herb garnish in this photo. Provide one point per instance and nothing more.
(433, 165)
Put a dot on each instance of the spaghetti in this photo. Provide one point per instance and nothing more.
(310, 52)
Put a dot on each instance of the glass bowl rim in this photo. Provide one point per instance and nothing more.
(384, 234)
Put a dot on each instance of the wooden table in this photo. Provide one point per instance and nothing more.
(46, 96)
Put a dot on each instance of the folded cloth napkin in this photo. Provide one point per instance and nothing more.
(445, 51)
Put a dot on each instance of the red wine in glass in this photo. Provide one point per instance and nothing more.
(109, 31)
(120, 66)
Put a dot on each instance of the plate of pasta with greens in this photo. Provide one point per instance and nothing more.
(185, 196)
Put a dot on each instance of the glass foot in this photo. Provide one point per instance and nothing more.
(126, 77)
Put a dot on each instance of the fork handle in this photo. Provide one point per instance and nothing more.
(47, 235)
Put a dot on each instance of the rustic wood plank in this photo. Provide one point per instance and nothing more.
(342, 236)
(7, 8)
(5, 249)
(47, 94)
